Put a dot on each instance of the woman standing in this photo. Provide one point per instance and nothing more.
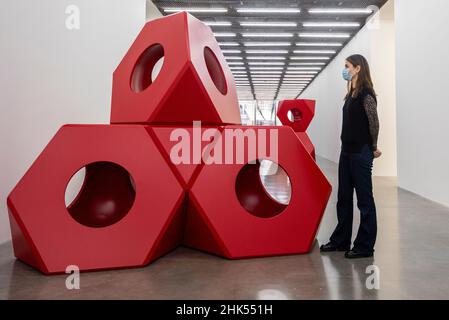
(359, 148)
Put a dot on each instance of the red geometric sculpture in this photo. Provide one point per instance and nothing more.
(134, 221)
(195, 83)
(137, 203)
(302, 112)
(234, 217)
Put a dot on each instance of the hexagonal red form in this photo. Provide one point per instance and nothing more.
(195, 82)
(115, 221)
(302, 111)
(230, 213)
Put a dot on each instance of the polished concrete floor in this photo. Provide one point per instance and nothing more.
(412, 256)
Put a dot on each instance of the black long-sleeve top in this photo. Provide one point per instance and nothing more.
(360, 122)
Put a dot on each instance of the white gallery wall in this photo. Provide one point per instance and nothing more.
(422, 36)
(51, 75)
(376, 41)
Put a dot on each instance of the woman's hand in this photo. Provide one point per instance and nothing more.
(377, 153)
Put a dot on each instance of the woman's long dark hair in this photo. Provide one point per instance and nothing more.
(364, 80)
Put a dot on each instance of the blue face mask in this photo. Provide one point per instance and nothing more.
(346, 75)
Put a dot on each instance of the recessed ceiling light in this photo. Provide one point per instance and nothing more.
(224, 34)
(296, 80)
(331, 24)
(265, 58)
(296, 77)
(265, 82)
(231, 51)
(307, 63)
(319, 44)
(266, 78)
(325, 35)
(309, 58)
(267, 35)
(303, 68)
(295, 83)
(266, 72)
(267, 51)
(228, 44)
(301, 72)
(268, 24)
(267, 44)
(340, 11)
(272, 63)
(218, 23)
(268, 10)
(197, 10)
(266, 68)
(315, 51)
(273, 84)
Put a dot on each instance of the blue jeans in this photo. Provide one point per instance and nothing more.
(355, 172)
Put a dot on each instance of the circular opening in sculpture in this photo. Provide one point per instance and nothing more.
(100, 194)
(215, 70)
(147, 68)
(263, 189)
(294, 115)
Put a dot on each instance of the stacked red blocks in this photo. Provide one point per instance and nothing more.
(136, 204)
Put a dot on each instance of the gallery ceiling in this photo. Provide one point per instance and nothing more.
(276, 48)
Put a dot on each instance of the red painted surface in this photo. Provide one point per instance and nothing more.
(304, 138)
(169, 140)
(135, 204)
(303, 112)
(195, 82)
(218, 223)
(48, 237)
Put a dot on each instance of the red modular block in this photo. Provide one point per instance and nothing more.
(302, 112)
(230, 213)
(182, 147)
(304, 138)
(127, 213)
(195, 82)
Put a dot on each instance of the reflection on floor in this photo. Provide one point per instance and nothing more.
(412, 254)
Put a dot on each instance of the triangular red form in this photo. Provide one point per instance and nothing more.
(193, 105)
(172, 237)
(185, 173)
(200, 235)
(22, 248)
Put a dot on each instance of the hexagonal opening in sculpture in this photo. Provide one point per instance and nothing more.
(294, 115)
(147, 68)
(100, 194)
(263, 188)
(215, 71)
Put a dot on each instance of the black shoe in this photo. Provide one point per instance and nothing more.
(330, 247)
(353, 254)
